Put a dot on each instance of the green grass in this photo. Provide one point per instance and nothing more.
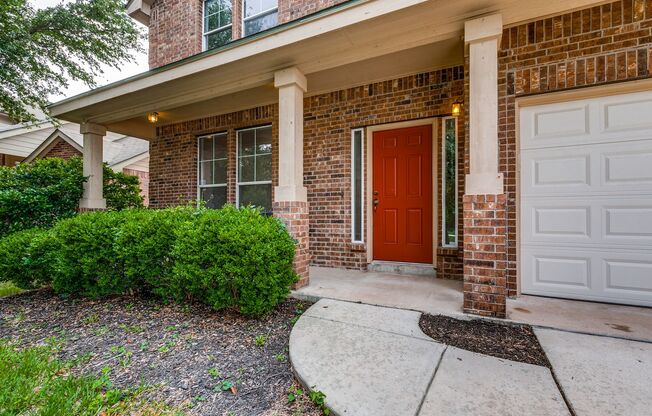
(8, 289)
(33, 382)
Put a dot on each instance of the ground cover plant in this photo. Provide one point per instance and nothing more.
(231, 258)
(190, 358)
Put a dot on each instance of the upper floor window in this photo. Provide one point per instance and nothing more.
(218, 16)
(259, 15)
(213, 160)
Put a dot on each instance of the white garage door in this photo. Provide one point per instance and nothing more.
(586, 199)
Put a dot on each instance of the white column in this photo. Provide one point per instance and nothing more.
(93, 197)
(482, 36)
(291, 84)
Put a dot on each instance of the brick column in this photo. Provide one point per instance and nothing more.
(484, 199)
(295, 216)
(290, 196)
(485, 257)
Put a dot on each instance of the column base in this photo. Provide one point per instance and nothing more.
(92, 204)
(485, 257)
(295, 216)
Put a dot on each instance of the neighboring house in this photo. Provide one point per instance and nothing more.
(506, 143)
(19, 144)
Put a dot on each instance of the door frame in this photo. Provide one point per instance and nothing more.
(434, 122)
(574, 94)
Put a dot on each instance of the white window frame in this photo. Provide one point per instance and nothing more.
(353, 185)
(256, 16)
(205, 34)
(237, 165)
(199, 162)
(443, 184)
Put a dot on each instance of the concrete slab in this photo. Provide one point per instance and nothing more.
(468, 383)
(397, 321)
(420, 293)
(599, 375)
(620, 321)
(362, 371)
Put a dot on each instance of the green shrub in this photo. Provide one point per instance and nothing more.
(234, 258)
(87, 262)
(26, 258)
(228, 258)
(145, 245)
(40, 193)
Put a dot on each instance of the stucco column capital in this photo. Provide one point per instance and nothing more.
(290, 76)
(92, 128)
(483, 28)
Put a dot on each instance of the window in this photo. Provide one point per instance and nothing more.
(357, 185)
(217, 23)
(213, 160)
(255, 167)
(259, 15)
(449, 182)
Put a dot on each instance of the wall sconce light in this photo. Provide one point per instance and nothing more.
(456, 109)
(152, 117)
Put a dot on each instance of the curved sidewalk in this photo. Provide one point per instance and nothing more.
(370, 360)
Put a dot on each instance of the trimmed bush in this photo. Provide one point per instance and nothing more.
(40, 193)
(229, 258)
(234, 258)
(26, 258)
(87, 262)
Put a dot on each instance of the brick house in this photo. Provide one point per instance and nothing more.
(505, 143)
(20, 144)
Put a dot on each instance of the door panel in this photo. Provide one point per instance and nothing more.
(402, 185)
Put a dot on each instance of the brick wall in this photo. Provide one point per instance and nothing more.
(328, 120)
(289, 10)
(175, 30)
(598, 45)
(62, 149)
(176, 26)
(484, 255)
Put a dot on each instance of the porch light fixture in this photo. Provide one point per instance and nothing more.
(456, 109)
(152, 117)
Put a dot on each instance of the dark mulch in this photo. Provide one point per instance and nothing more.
(187, 352)
(512, 342)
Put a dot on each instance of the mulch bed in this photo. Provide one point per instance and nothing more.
(511, 342)
(190, 354)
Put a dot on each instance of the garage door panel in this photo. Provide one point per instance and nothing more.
(614, 221)
(588, 274)
(586, 199)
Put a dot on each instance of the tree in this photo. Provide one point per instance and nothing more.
(41, 51)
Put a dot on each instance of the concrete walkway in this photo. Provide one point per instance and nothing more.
(444, 297)
(372, 360)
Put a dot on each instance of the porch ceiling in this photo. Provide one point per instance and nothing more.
(362, 41)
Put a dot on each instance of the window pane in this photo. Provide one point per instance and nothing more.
(246, 172)
(205, 148)
(246, 142)
(206, 173)
(217, 39)
(256, 195)
(264, 168)
(220, 146)
(357, 184)
(214, 197)
(219, 170)
(260, 23)
(264, 140)
(450, 184)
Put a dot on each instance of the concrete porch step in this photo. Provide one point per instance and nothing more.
(413, 269)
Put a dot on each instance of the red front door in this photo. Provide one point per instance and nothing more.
(402, 195)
